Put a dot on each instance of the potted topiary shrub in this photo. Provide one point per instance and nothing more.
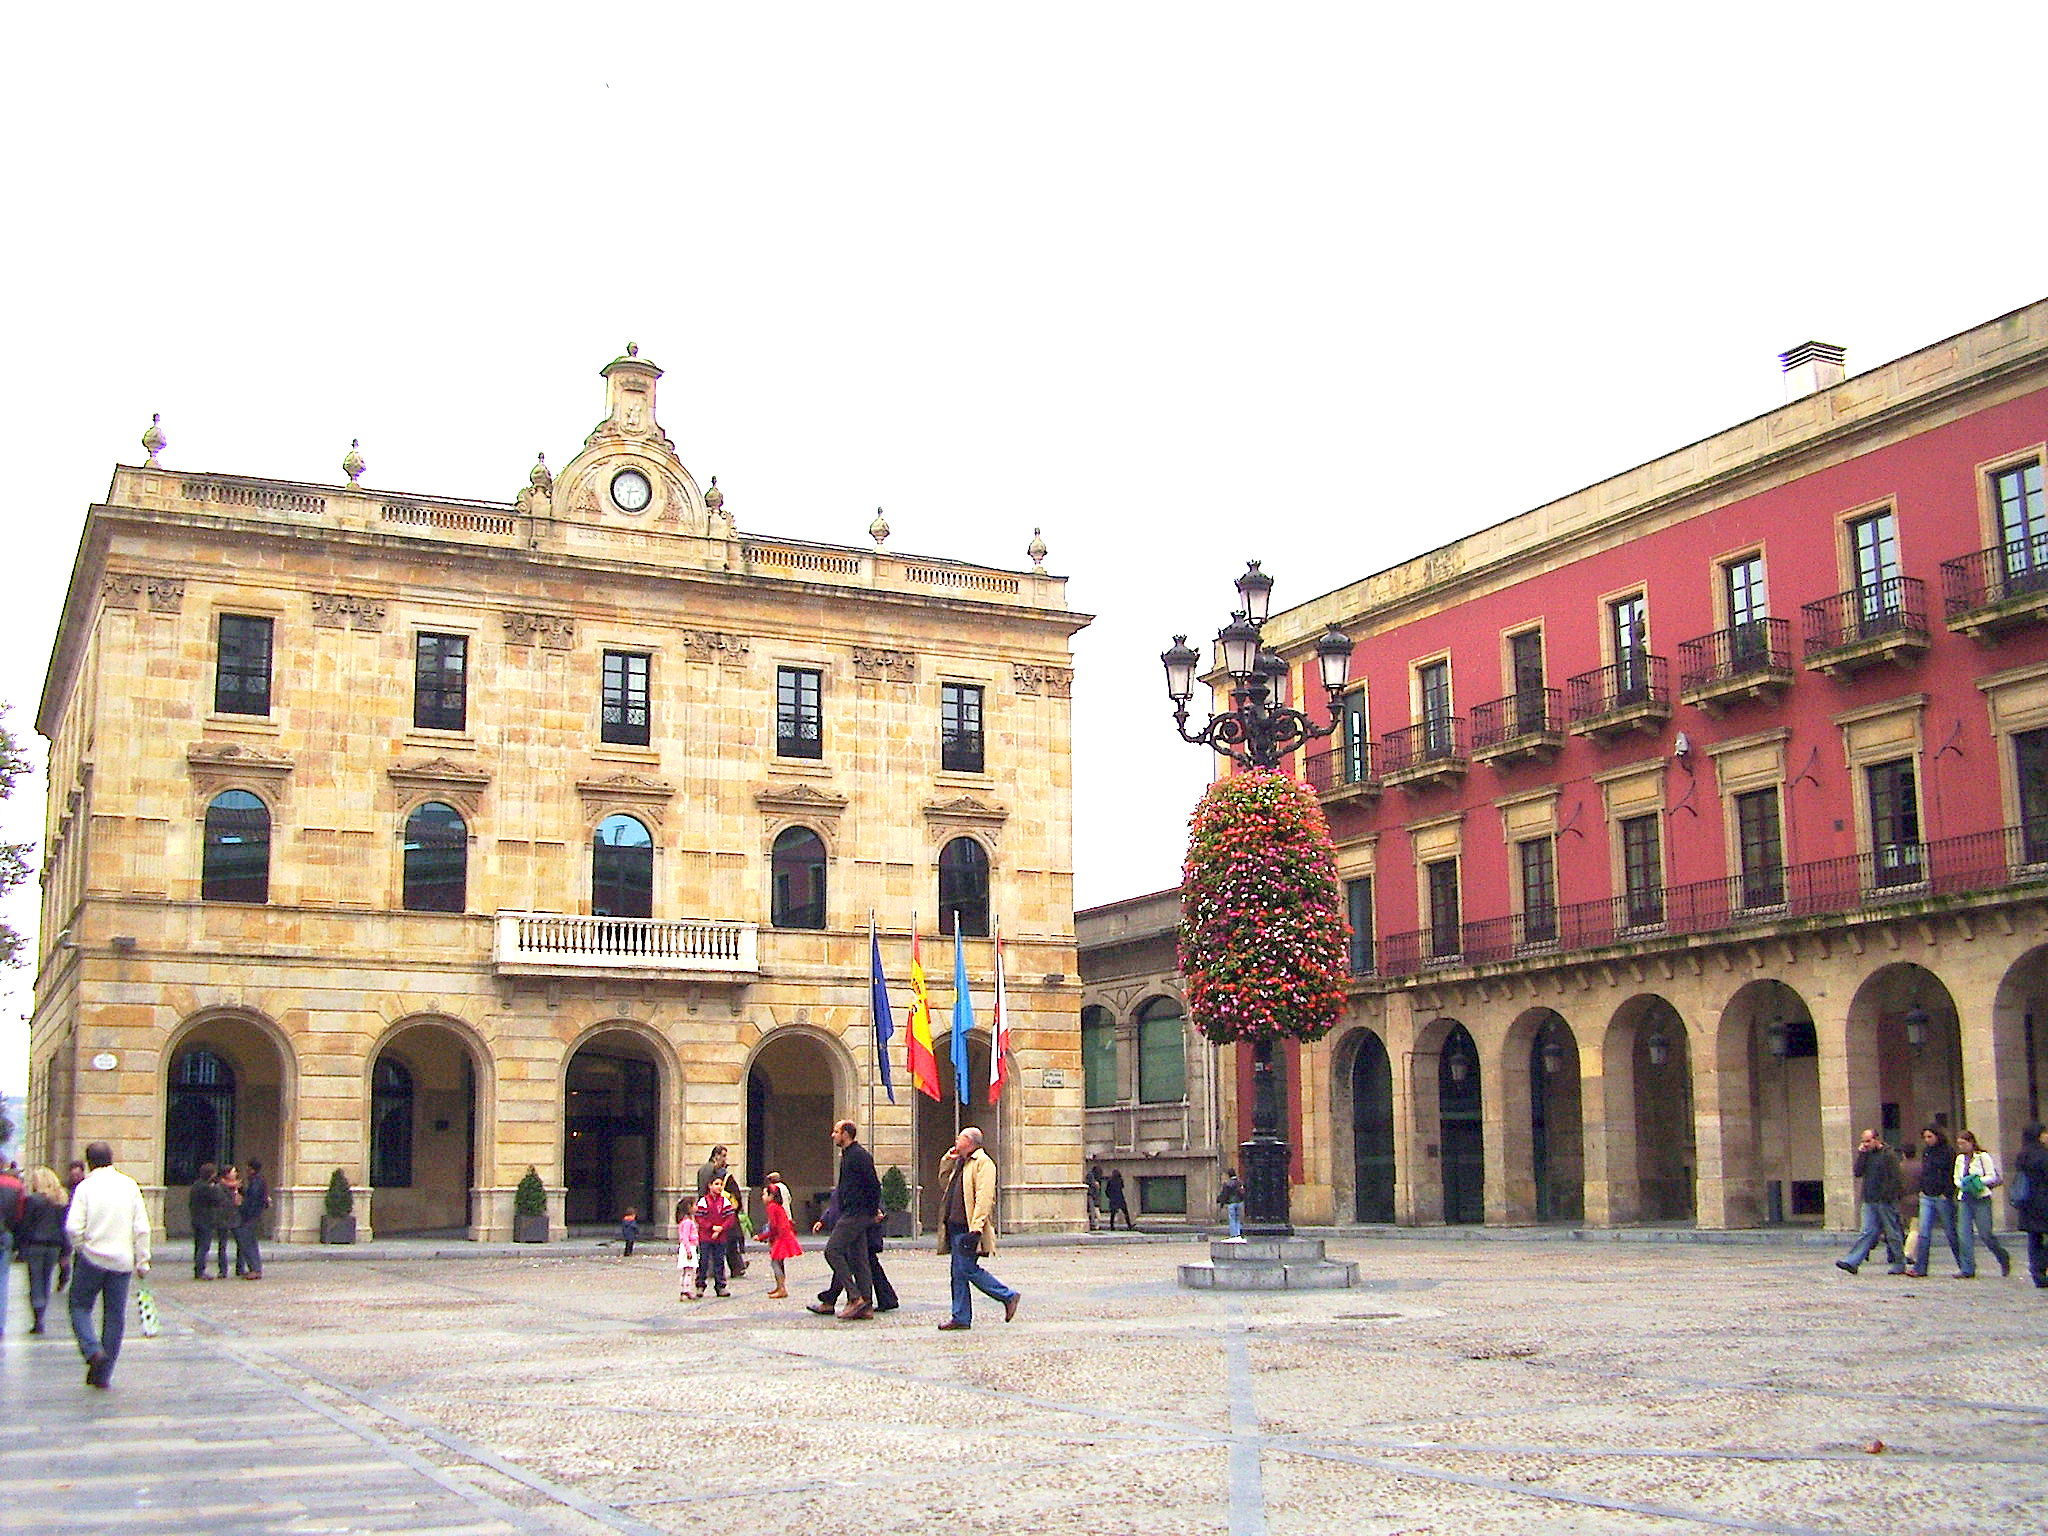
(530, 1209)
(338, 1220)
(895, 1203)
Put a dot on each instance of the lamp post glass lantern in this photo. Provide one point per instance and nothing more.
(1257, 731)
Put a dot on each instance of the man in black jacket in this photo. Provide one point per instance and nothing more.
(885, 1293)
(211, 1208)
(1877, 1170)
(859, 1198)
(1937, 1198)
(248, 1236)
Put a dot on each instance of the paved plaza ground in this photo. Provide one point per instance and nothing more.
(1469, 1387)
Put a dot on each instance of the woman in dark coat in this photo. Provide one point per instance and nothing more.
(2029, 1188)
(40, 1237)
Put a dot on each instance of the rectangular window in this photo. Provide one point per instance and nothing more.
(440, 692)
(2030, 763)
(2022, 524)
(799, 713)
(1163, 1194)
(241, 667)
(1358, 907)
(1098, 1057)
(1525, 663)
(623, 714)
(1894, 822)
(1742, 584)
(960, 740)
(1357, 759)
(1629, 635)
(1874, 551)
(1539, 889)
(1445, 937)
(1642, 870)
(1761, 843)
(1434, 685)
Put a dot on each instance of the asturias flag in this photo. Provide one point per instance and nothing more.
(917, 1040)
(878, 1005)
(999, 1073)
(963, 1018)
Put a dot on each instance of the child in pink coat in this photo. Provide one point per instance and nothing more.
(686, 1249)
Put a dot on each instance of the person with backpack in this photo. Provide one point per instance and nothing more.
(2029, 1195)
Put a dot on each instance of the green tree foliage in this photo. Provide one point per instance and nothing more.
(341, 1200)
(895, 1190)
(529, 1195)
(1262, 928)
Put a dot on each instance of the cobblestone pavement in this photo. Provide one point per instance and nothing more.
(1467, 1388)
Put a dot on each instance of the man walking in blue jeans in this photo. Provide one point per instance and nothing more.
(967, 1205)
(109, 1230)
(1877, 1171)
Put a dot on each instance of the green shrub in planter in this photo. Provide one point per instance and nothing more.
(530, 1209)
(338, 1222)
(895, 1204)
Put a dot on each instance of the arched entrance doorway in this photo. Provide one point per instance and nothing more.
(1460, 1108)
(1365, 1115)
(2019, 1046)
(793, 1101)
(225, 1101)
(1557, 1133)
(1905, 1054)
(1648, 1060)
(1777, 1164)
(936, 1122)
(611, 1128)
(424, 1130)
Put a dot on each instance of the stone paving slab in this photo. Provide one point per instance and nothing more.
(1464, 1388)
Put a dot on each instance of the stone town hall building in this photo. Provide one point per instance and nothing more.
(428, 839)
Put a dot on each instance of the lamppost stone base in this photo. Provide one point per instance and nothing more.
(1269, 1264)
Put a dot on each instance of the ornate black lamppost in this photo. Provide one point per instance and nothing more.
(1257, 733)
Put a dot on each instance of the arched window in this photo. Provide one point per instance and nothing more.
(963, 887)
(1098, 1056)
(199, 1121)
(436, 859)
(797, 873)
(622, 869)
(390, 1124)
(235, 865)
(1162, 1052)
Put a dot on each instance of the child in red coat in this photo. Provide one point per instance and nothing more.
(715, 1220)
(782, 1243)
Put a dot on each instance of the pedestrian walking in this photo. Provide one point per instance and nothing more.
(1113, 1191)
(629, 1230)
(249, 1227)
(1094, 1194)
(967, 1205)
(13, 1205)
(886, 1299)
(1976, 1176)
(782, 1239)
(1231, 1198)
(1877, 1173)
(859, 1197)
(686, 1248)
(2029, 1194)
(715, 1215)
(1937, 1199)
(74, 1175)
(39, 1237)
(108, 1226)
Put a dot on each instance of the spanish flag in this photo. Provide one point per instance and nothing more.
(924, 1066)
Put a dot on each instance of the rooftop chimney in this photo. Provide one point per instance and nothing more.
(1810, 367)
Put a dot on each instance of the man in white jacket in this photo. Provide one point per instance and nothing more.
(109, 1230)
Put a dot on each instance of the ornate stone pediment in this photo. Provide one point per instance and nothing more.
(551, 631)
(633, 793)
(946, 819)
(344, 610)
(219, 765)
(458, 783)
(799, 802)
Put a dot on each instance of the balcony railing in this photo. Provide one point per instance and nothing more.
(544, 941)
(1638, 683)
(1730, 655)
(1891, 610)
(1991, 578)
(1438, 742)
(1343, 766)
(1531, 712)
(1979, 861)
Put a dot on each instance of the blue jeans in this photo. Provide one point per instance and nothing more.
(1935, 1208)
(90, 1283)
(1977, 1218)
(965, 1246)
(1880, 1217)
(1235, 1211)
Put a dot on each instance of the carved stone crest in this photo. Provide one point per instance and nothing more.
(459, 783)
(343, 610)
(884, 666)
(218, 765)
(712, 645)
(550, 631)
(162, 594)
(1052, 682)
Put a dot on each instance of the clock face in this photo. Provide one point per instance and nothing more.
(630, 491)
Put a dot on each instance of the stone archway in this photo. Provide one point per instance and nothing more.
(1461, 1128)
(1543, 1052)
(797, 1090)
(1363, 1144)
(227, 1098)
(428, 1132)
(613, 1091)
(936, 1122)
(2018, 1047)
(1651, 1161)
(1773, 1150)
(1904, 1054)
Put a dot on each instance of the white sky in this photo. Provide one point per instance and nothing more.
(1181, 284)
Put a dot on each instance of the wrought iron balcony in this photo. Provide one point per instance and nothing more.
(1885, 621)
(1342, 772)
(1432, 752)
(1632, 694)
(555, 944)
(2004, 587)
(1744, 661)
(1526, 724)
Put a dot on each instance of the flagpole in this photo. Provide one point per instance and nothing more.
(874, 1032)
(995, 1065)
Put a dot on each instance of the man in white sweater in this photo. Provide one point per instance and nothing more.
(109, 1230)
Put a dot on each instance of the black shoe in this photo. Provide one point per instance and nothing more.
(36, 1326)
(887, 1306)
(1845, 1266)
(949, 1326)
(2005, 1266)
(1010, 1306)
(97, 1370)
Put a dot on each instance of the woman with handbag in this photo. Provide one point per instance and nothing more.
(1976, 1176)
(2029, 1194)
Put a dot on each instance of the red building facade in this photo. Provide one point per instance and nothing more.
(1700, 818)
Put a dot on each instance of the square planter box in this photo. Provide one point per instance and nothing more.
(896, 1224)
(529, 1229)
(337, 1229)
